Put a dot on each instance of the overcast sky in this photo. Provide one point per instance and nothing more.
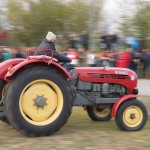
(112, 12)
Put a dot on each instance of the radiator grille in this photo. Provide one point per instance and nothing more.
(110, 76)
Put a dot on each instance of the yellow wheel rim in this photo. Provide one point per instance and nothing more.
(102, 113)
(132, 116)
(41, 102)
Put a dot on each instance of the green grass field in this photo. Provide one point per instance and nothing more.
(80, 133)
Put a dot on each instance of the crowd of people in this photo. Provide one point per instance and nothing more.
(106, 41)
(76, 41)
(130, 59)
(134, 54)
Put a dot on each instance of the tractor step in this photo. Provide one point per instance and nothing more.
(2, 114)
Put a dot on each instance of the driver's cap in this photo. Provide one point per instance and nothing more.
(50, 36)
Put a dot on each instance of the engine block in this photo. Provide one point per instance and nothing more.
(102, 89)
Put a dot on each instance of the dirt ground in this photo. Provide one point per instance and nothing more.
(80, 133)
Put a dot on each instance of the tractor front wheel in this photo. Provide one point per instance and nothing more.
(98, 113)
(38, 101)
(131, 115)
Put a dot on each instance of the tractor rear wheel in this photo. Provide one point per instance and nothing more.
(38, 101)
(131, 115)
(97, 113)
(3, 85)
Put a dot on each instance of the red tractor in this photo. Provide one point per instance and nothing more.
(37, 95)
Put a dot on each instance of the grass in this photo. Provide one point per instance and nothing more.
(80, 133)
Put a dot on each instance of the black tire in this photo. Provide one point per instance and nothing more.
(3, 84)
(52, 97)
(99, 114)
(131, 115)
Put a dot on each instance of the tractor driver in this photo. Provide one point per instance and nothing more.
(48, 45)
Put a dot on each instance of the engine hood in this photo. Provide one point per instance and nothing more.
(101, 72)
(116, 75)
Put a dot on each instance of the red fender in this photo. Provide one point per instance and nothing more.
(4, 66)
(30, 61)
(119, 102)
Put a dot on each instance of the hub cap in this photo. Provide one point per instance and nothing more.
(132, 116)
(40, 101)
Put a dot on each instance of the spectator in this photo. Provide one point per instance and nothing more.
(5, 53)
(73, 41)
(145, 59)
(133, 41)
(114, 57)
(134, 59)
(85, 41)
(105, 42)
(90, 57)
(128, 59)
(20, 55)
(123, 59)
(114, 41)
(141, 44)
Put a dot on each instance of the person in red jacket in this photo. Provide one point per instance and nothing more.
(128, 59)
(123, 59)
